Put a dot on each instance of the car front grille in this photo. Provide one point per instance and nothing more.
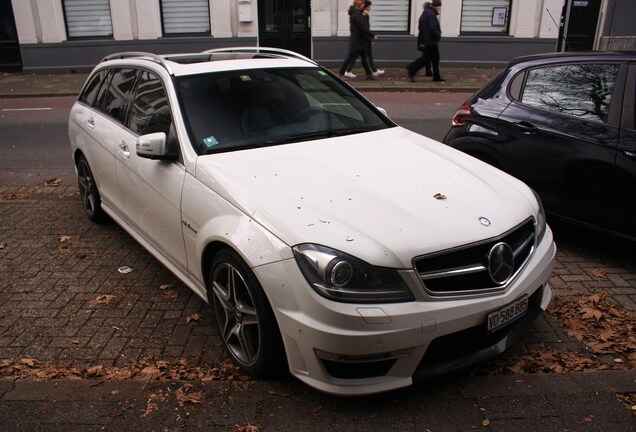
(464, 270)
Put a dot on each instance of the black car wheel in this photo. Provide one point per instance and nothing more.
(89, 194)
(244, 317)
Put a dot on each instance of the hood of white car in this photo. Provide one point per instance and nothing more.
(384, 196)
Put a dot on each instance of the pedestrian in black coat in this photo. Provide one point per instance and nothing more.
(360, 39)
(428, 37)
(376, 71)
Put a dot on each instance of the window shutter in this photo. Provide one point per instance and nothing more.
(185, 16)
(477, 16)
(88, 18)
(389, 15)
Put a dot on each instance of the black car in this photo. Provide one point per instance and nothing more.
(564, 124)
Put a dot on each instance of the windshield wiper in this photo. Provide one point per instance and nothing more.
(313, 135)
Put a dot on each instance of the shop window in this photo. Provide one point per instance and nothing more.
(490, 17)
(180, 17)
(87, 18)
(390, 15)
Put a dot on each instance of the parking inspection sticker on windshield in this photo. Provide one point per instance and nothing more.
(210, 141)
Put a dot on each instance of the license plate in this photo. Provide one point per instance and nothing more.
(507, 314)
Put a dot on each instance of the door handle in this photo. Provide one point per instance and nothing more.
(123, 149)
(91, 122)
(629, 154)
(526, 128)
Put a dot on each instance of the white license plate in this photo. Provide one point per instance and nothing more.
(507, 314)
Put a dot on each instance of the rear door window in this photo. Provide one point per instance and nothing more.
(579, 90)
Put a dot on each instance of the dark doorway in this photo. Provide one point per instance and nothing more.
(578, 25)
(10, 57)
(285, 24)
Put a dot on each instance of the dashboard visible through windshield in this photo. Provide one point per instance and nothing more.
(259, 107)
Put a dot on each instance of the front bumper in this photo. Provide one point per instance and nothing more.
(352, 349)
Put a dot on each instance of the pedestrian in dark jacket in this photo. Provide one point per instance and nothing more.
(428, 37)
(361, 37)
(376, 71)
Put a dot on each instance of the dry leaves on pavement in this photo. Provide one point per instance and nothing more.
(605, 331)
(603, 327)
(160, 370)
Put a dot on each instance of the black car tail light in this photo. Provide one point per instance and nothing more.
(462, 111)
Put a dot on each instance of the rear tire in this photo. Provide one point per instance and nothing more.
(244, 317)
(91, 201)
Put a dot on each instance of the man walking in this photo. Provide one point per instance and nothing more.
(429, 35)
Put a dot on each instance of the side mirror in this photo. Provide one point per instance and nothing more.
(382, 110)
(153, 146)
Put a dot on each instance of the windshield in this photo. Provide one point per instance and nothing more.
(234, 110)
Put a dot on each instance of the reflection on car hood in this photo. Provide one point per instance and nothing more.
(373, 195)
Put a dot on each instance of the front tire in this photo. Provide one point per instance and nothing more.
(244, 317)
(89, 194)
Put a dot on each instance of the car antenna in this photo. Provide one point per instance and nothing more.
(567, 45)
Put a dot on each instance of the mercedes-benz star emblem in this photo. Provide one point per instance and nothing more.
(501, 263)
(484, 221)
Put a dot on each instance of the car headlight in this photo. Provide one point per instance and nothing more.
(341, 277)
(540, 218)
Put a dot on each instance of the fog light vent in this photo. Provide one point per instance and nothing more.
(356, 367)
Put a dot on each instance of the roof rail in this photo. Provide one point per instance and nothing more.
(131, 54)
(266, 50)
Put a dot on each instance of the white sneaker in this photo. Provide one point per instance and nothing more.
(349, 75)
(379, 72)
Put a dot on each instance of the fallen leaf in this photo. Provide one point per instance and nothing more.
(95, 371)
(65, 238)
(588, 419)
(124, 270)
(599, 273)
(184, 395)
(590, 312)
(193, 317)
(53, 182)
(170, 295)
(246, 428)
(439, 196)
(485, 423)
(150, 372)
(28, 361)
(166, 286)
(101, 299)
(153, 402)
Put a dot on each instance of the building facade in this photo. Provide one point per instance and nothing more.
(64, 35)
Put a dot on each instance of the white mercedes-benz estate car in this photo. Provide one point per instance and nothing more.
(329, 241)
